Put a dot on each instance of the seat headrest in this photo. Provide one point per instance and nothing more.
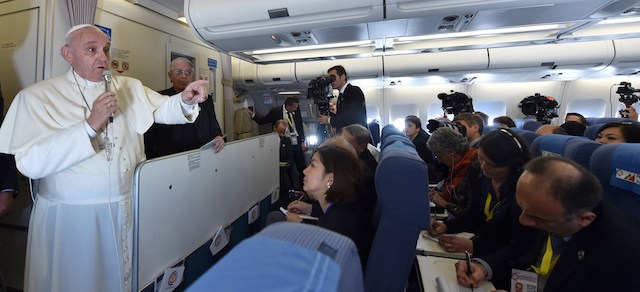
(591, 131)
(580, 150)
(618, 165)
(260, 262)
(625, 167)
(552, 144)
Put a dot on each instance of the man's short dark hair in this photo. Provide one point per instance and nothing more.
(340, 70)
(581, 117)
(291, 100)
(577, 193)
(471, 120)
(483, 116)
(414, 120)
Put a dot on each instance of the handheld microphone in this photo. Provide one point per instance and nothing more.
(106, 75)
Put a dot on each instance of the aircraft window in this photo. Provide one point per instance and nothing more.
(398, 112)
(491, 108)
(373, 113)
(434, 110)
(593, 107)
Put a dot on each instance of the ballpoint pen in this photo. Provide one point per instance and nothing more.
(469, 272)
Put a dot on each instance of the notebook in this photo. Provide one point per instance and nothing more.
(428, 245)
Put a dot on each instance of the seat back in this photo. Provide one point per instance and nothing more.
(520, 122)
(591, 131)
(580, 150)
(402, 190)
(552, 144)
(242, 124)
(317, 238)
(531, 125)
(489, 128)
(526, 135)
(617, 166)
(262, 263)
(609, 120)
(591, 120)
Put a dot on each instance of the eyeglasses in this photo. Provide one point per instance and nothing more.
(187, 72)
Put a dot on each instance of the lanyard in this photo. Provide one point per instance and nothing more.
(548, 260)
(488, 211)
(289, 120)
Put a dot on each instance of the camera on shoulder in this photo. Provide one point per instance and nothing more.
(320, 91)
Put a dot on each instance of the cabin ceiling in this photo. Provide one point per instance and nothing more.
(577, 20)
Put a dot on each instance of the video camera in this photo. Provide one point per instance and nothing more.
(456, 102)
(544, 108)
(627, 97)
(433, 125)
(321, 92)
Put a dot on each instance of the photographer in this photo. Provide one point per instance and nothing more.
(351, 108)
(473, 125)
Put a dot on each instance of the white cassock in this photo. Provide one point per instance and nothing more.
(80, 231)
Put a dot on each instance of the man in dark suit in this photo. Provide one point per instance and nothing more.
(584, 244)
(8, 175)
(161, 140)
(351, 107)
(290, 113)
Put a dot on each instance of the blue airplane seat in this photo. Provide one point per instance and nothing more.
(263, 263)
(531, 125)
(617, 166)
(591, 131)
(552, 144)
(317, 238)
(580, 150)
(591, 120)
(609, 120)
(526, 135)
(520, 122)
(488, 128)
(402, 187)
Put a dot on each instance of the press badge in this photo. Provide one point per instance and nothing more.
(523, 281)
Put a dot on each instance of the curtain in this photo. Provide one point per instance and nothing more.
(82, 11)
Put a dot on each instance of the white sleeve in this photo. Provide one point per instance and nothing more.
(55, 153)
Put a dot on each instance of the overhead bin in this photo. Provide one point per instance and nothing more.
(277, 74)
(627, 50)
(496, 13)
(244, 73)
(627, 59)
(218, 20)
(593, 54)
(357, 68)
(435, 63)
(414, 8)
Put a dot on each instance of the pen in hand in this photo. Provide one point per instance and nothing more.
(469, 272)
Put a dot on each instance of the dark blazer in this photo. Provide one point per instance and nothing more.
(495, 234)
(603, 256)
(161, 140)
(286, 152)
(351, 221)
(276, 114)
(351, 108)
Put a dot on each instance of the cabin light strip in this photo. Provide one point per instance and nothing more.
(481, 32)
(620, 20)
(307, 48)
